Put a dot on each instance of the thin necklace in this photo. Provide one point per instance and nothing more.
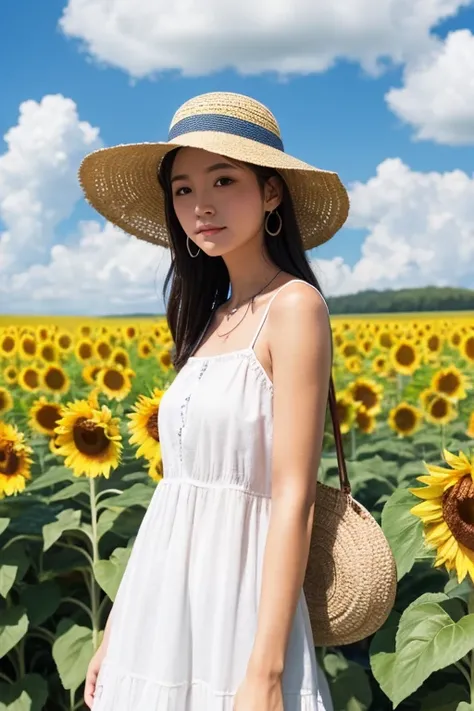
(250, 302)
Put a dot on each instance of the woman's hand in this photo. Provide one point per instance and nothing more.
(259, 693)
(92, 674)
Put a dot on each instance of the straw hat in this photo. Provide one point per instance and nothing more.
(121, 182)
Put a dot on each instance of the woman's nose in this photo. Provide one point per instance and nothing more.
(203, 209)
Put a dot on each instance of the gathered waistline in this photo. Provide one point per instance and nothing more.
(212, 485)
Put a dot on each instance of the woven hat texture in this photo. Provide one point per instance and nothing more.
(121, 183)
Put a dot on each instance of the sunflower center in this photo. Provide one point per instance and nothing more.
(3, 400)
(89, 438)
(433, 343)
(439, 407)
(166, 358)
(48, 354)
(29, 346)
(458, 511)
(64, 341)
(152, 426)
(47, 416)
(448, 383)
(85, 351)
(104, 350)
(9, 461)
(31, 378)
(366, 396)
(54, 379)
(121, 359)
(405, 355)
(469, 347)
(405, 419)
(113, 379)
(8, 344)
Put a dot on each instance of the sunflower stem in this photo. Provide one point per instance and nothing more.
(107, 491)
(95, 559)
(443, 437)
(470, 610)
(353, 443)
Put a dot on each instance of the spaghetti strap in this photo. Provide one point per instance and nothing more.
(267, 309)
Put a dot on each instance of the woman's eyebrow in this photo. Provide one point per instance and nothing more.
(210, 169)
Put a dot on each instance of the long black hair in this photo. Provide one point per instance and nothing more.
(199, 285)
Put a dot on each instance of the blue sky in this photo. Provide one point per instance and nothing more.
(388, 104)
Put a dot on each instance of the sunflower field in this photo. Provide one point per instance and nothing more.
(80, 459)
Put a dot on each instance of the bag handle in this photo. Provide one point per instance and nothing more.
(341, 462)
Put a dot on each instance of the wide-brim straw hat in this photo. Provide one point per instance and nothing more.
(121, 182)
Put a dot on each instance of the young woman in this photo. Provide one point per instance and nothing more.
(211, 614)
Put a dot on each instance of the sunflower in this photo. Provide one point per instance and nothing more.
(353, 364)
(346, 410)
(64, 341)
(42, 333)
(379, 364)
(440, 410)
(6, 400)
(433, 344)
(84, 350)
(89, 438)
(119, 356)
(145, 349)
(15, 460)
(144, 425)
(55, 379)
(29, 378)
(348, 349)
(450, 382)
(404, 357)
(130, 333)
(447, 512)
(48, 351)
(155, 470)
(44, 416)
(90, 371)
(164, 359)
(53, 445)
(385, 339)
(367, 393)
(10, 375)
(8, 345)
(114, 381)
(467, 348)
(103, 349)
(27, 347)
(405, 419)
(365, 421)
(84, 330)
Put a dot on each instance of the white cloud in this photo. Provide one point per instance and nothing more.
(38, 183)
(142, 37)
(438, 93)
(420, 231)
(105, 272)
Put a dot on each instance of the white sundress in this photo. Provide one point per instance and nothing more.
(185, 615)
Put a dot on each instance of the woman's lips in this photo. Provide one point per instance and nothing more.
(210, 232)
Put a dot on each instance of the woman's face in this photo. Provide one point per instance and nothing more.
(211, 191)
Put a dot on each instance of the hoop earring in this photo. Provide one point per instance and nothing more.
(277, 232)
(190, 253)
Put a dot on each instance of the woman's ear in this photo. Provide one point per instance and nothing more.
(273, 193)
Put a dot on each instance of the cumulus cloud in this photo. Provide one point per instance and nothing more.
(104, 272)
(38, 183)
(420, 231)
(437, 96)
(143, 37)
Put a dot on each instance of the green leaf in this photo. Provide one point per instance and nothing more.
(427, 640)
(461, 590)
(4, 523)
(121, 522)
(108, 573)
(13, 627)
(54, 475)
(350, 687)
(14, 563)
(383, 655)
(69, 492)
(41, 601)
(464, 706)
(137, 495)
(30, 693)
(403, 530)
(72, 652)
(445, 699)
(68, 520)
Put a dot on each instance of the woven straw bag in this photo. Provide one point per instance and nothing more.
(351, 579)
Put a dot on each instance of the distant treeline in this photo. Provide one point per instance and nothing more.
(429, 298)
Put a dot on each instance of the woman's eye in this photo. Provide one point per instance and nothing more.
(179, 191)
(227, 181)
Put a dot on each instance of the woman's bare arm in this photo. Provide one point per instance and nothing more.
(300, 344)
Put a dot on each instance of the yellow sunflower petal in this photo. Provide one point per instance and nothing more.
(457, 462)
(429, 492)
